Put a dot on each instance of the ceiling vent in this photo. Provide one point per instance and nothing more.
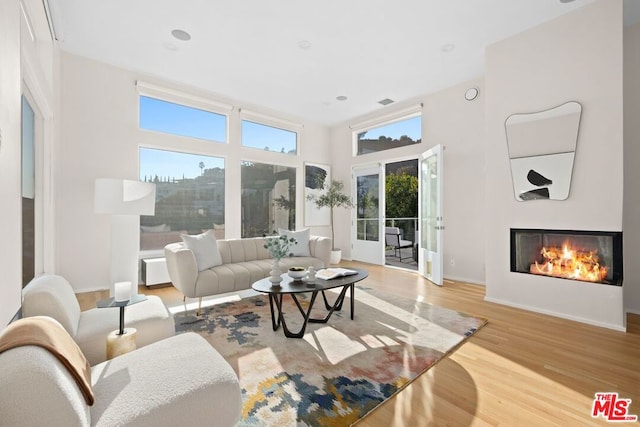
(386, 101)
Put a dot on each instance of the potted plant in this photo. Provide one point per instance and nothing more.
(333, 197)
(278, 247)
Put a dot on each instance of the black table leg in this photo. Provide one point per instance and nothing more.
(121, 330)
(278, 311)
(275, 323)
(353, 289)
(300, 333)
(337, 305)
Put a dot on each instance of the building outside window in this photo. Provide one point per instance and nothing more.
(190, 196)
(268, 198)
(406, 131)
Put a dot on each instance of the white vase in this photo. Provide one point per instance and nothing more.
(276, 274)
(336, 256)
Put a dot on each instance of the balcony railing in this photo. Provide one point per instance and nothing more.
(408, 226)
(368, 228)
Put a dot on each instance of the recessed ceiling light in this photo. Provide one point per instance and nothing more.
(181, 35)
(446, 48)
(386, 101)
(471, 94)
(304, 44)
(169, 46)
(341, 98)
(566, 1)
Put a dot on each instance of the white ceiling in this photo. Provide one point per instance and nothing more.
(248, 50)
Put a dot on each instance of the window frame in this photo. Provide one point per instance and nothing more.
(296, 175)
(273, 122)
(395, 117)
(150, 253)
(186, 100)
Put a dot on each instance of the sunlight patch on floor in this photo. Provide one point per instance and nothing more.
(335, 345)
(192, 304)
(414, 319)
(533, 383)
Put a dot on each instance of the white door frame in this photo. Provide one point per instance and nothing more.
(39, 100)
(431, 259)
(362, 250)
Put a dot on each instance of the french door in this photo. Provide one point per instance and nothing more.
(369, 221)
(430, 259)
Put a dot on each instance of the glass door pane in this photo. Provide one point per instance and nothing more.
(401, 213)
(430, 204)
(368, 207)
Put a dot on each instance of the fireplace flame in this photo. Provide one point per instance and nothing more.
(570, 263)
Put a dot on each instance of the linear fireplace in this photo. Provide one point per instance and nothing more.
(590, 256)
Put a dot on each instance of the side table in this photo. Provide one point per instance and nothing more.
(123, 340)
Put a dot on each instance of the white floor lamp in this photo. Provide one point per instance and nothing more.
(125, 201)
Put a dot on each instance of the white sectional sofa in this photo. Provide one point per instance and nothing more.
(243, 262)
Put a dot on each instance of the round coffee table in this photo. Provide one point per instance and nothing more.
(291, 287)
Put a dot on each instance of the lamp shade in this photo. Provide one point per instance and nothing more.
(124, 197)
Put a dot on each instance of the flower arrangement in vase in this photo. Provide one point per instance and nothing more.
(278, 247)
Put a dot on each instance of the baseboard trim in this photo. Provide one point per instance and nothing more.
(465, 280)
(557, 314)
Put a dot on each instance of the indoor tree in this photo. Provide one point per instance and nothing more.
(333, 197)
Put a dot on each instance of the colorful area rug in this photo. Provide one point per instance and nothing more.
(340, 370)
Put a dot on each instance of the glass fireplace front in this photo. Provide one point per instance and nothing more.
(590, 256)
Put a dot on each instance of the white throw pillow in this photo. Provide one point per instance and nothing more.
(205, 248)
(301, 248)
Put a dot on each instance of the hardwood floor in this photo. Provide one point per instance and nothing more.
(521, 369)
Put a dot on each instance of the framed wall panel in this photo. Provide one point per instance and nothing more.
(316, 178)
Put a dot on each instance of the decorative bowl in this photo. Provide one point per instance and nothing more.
(297, 273)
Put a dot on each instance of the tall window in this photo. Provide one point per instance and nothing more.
(28, 191)
(177, 119)
(256, 135)
(268, 198)
(393, 135)
(189, 196)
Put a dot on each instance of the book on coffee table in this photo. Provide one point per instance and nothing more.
(332, 273)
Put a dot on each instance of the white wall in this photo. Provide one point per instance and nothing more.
(27, 60)
(450, 120)
(631, 221)
(39, 58)
(459, 125)
(577, 57)
(100, 138)
(10, 187)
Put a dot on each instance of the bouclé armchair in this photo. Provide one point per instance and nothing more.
(52, 295)
(180, 380)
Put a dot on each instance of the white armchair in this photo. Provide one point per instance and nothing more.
(52, 295)
(181, 380)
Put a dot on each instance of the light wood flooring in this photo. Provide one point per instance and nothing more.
(521, 369)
